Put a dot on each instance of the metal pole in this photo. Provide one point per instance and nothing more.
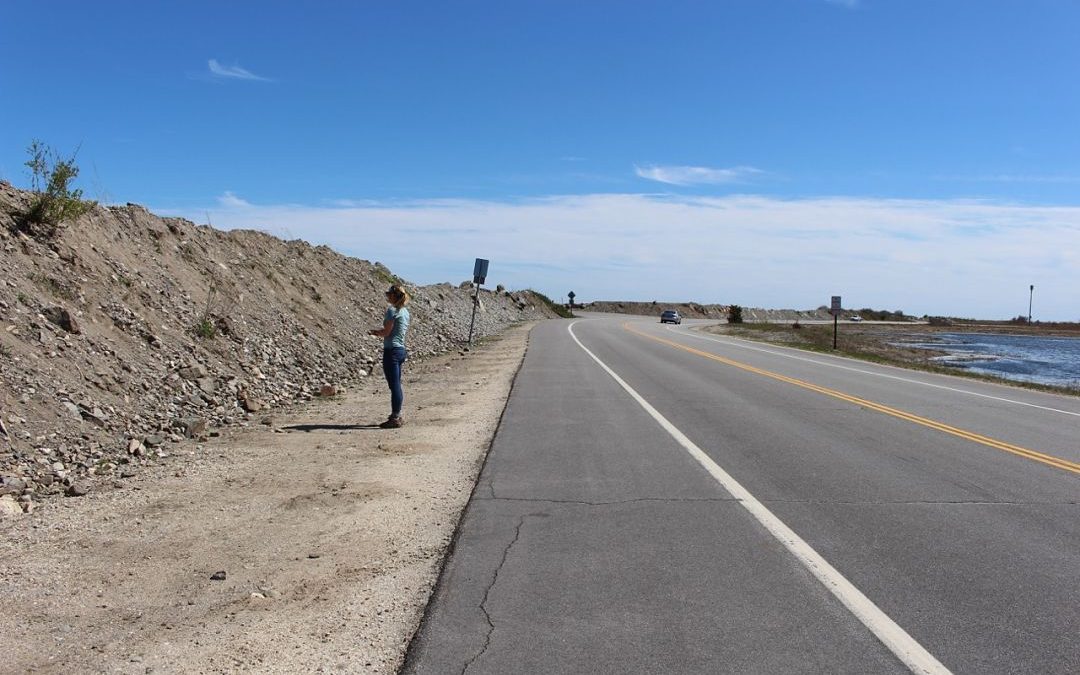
(834, 321)
(475, 302)
(1031, 293)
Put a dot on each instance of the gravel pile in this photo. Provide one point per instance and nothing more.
(126, 333)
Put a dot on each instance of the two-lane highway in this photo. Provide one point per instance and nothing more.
(664, 500)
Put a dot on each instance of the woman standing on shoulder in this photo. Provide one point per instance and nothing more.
(395, 325)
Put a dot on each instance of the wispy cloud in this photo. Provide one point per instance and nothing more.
(231, 201)
(961, 258)
(696, 175)
(233, 72)
(1013, 178)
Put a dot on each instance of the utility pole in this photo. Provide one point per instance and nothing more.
(1031, 294)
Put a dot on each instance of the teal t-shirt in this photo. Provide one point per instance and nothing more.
(400, 317)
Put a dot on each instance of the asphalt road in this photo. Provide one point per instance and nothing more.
(659, 500)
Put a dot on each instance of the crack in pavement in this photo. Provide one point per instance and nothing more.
(487, 591)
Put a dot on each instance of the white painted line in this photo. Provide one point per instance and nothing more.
(914, 655)
(736, 342)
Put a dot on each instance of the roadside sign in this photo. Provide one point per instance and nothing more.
(835, 310)
(479, 271)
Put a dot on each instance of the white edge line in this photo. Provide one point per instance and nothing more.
(913, 655)
(736, 342)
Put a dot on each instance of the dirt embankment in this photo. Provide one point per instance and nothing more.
(691, 310)
(311, 545)
(695, 310)
(128, 333)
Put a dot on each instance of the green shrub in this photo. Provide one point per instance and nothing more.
(54, 201)
(205, 329)
(734, 314)
(560, 310)
(388, 277)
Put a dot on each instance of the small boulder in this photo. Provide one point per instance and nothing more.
(61, 317)
(328, 390)
(12, 485)
(250, 403)
(78, 489)
(193, 427)
(194, 371)
(9, 507)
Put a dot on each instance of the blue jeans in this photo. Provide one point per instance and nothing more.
(392, 360)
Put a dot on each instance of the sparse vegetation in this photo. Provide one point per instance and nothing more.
(881, 314)
(205, 329)
(734, 314)
(557, 308)
(386, 275)
(880, 345)
(54, 201)
(209, 322)
(5, 351)
(53, 286)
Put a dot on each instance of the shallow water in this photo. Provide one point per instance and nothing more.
(1044, 360)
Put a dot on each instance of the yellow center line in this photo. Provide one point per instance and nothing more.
(1050, 460)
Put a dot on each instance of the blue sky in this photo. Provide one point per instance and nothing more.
(905, 154)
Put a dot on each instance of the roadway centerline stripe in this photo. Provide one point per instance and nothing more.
(778, 350)
(1049, 460)
(895, 638)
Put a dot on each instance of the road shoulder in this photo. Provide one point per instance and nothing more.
(330, 535)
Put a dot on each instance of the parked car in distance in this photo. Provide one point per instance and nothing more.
(856, 318)
(670, 316)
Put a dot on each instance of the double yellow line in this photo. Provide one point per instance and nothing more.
(1049, 460)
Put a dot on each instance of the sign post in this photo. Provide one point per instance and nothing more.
(571, 296)
(479, 274)
(835, 309)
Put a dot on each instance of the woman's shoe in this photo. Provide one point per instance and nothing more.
(392, 423)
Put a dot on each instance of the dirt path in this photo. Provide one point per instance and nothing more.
(329, 533)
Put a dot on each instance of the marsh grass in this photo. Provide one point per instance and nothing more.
(876, 344)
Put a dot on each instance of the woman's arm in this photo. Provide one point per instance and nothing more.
(388, 327)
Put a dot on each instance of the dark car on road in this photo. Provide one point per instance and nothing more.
(670, 316)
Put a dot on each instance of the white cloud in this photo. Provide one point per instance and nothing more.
(850, 4)
(231, 201)
(960, 258)
(233, 72)
(696, 175)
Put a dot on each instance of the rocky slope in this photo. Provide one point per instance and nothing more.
(127, 332)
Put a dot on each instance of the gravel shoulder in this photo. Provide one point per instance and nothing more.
(330, 533)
